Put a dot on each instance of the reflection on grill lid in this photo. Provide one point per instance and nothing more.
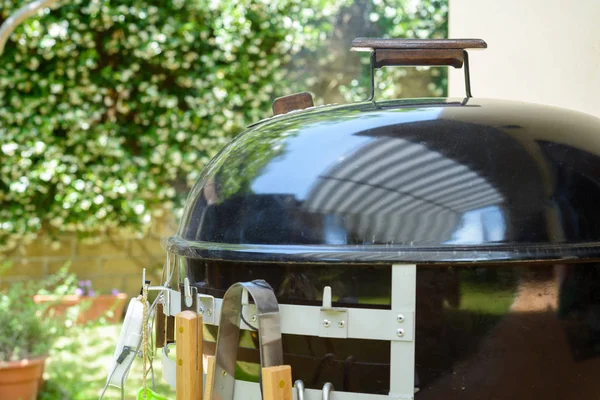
(424, 181)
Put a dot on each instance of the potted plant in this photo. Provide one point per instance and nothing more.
(25, 339)
(88, 304)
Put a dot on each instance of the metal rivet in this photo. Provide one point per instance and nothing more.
(224, 373)
(400, 332)
(400, 318)
(209, 313)
(253, 318)
(326, 323)
(201, 311)
(341, 324)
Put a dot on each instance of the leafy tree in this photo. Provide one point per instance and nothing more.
(107, 107)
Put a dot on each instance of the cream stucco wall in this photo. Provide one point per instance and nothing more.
(542, 51)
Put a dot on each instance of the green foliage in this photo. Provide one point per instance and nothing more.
(77, 367)
(420, 19)
(108, 107)
(28, 329)
(61, 284)
(337, 75)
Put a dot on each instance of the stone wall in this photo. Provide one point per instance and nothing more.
(112, 262)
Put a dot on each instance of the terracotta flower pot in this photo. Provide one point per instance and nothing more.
(20, 380)
(91, 308)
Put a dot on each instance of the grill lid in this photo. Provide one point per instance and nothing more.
(422, 180)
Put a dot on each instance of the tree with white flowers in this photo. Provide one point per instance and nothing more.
(108, 107)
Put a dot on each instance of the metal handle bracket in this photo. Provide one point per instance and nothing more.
(417, 52)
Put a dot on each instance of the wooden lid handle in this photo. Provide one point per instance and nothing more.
(369, 44)
(397, 52)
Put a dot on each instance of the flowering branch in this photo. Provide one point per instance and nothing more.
(19, 16)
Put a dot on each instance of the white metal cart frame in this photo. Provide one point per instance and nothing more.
(396, 325)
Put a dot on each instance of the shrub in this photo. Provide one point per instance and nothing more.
(23, 334)
(27, 329)
(108, 107)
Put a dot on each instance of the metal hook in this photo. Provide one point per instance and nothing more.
(329, 357)
(326, 297)
(187, 292)
(327, 389)
(299, 384)
(347, 365)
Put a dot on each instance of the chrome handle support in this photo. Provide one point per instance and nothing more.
(327, 389)
(299, 384)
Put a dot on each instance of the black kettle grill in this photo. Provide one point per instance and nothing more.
(475, 223)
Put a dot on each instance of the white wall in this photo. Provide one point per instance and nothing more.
(542, 51)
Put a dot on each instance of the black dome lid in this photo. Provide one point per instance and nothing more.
(427, 181)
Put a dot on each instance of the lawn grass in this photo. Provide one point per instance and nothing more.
(77, 368)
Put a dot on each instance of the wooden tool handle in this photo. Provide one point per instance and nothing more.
(170, 330)
(277, 383)
(210, 375)
(188, 342)
(160, 327)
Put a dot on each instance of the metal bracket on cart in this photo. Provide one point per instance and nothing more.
(355, 323)
(207, 308)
